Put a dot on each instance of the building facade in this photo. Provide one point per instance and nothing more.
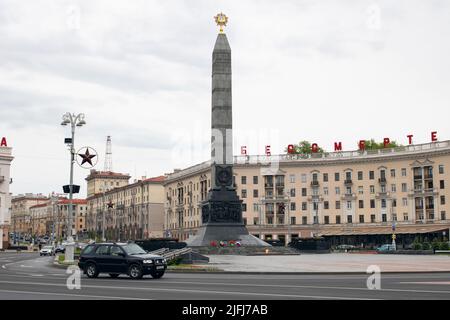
(5, 196)
(51, 217)
(346, 196)
(129, 212)
(102, 181)
(20, 212)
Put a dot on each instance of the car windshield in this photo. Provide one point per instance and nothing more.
(133, 248)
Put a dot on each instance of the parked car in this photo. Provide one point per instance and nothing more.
(60, 249)
(120, 258)
(345, 247)
(47, 251)
(386, 248)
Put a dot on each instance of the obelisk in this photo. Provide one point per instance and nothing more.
(222, 211)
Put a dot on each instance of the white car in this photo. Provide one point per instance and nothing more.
(47, 251)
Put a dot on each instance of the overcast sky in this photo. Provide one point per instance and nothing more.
(322, 71)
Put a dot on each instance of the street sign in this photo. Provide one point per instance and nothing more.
(68, 140)
(394, 237)
(75, 188)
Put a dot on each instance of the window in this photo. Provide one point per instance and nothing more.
(405, 202)
(441, 169)
(269, 220)
(338, 190)
(255, 221)
(303, 192)
(304, 220)
(314, 177)
(348, 190)
(361, 190)
(349, 205)
(325, 177)
(394, 217)
(243, 180)
(442, 200)
(292, 178)
(404, 187)
(349, 219)
(304, 206)
(102, 250)
(338, 219)
(326, 205)
(338, 205)
(292, 192)
(303, 177)
(360, 175)
(361, 204)
(255, 179)
(116, 251)
(243, 193)
(392, 173)
(372, 218)
(361, 218)
(316, 219)
(293, 206)
(394, 203)
(372, 189)
(443, 215)
(325, 191)
(293, 220)
(405, 217)
(336, 176)
(326, 220)
(372, 204)
(244, 207)
(384, 217)
(255, 207)
(442, 184)
(393, 187)
(255, 193)
(383, 203)
(404, 172)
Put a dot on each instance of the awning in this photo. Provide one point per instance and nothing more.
(383, 230)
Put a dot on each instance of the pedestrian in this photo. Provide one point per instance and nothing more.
(40, 246)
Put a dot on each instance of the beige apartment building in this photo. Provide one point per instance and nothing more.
(52, 217)
(20, 211)
(126, 212)
(350, 197)
(102, 181)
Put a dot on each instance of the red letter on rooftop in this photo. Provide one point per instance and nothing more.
(243, 150)
(314, 148)
(387, 141)
(410, 136)
(291, 148)
(338, 146)
(3, 143)
(267, 150)
(362, 145)
(434, 136)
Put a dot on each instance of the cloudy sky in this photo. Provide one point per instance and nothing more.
(322, 71)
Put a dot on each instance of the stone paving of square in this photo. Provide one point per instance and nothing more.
(334, 262)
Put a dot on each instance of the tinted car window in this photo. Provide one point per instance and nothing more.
(102, 250)
(87, 250)
(115, 250)
(133, 248)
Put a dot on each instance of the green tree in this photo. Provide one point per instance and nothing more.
(304, 147)
(373, 145)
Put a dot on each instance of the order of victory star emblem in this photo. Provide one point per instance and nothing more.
(87, 157)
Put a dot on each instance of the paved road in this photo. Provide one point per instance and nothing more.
(28, 276)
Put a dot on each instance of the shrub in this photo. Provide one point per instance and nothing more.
(444, 246)
(426, 246)
(435, 244)
(417, 246)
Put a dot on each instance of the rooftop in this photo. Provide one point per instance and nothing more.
(107, 174)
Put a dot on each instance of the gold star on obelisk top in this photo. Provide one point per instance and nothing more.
(87, 157)
(221, 21)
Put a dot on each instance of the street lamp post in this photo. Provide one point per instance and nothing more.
(74, 121)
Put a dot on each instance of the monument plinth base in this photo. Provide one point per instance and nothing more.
(225, 232)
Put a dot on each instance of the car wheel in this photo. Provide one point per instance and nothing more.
(157, 275)
(91, 270)
(114, 275)
(135, 271)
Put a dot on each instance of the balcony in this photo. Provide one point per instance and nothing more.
(314, 183)
(348, 182)
(280, 185)
(382, 181)
(349, 196)
(268, 185)
(417, 177)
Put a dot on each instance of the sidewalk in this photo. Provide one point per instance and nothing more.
(330, 263)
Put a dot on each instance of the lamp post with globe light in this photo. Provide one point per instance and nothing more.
(74, 121)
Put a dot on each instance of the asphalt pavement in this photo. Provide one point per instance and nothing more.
(28, 276)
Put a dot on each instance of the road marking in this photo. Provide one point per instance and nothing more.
(71, 295)
(3, 267)
(429, 282)
(23, 266)
(272, 295)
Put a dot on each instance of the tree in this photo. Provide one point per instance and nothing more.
(373, 145)
(303, 147)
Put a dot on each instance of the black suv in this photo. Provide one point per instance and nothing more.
(120, 258)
